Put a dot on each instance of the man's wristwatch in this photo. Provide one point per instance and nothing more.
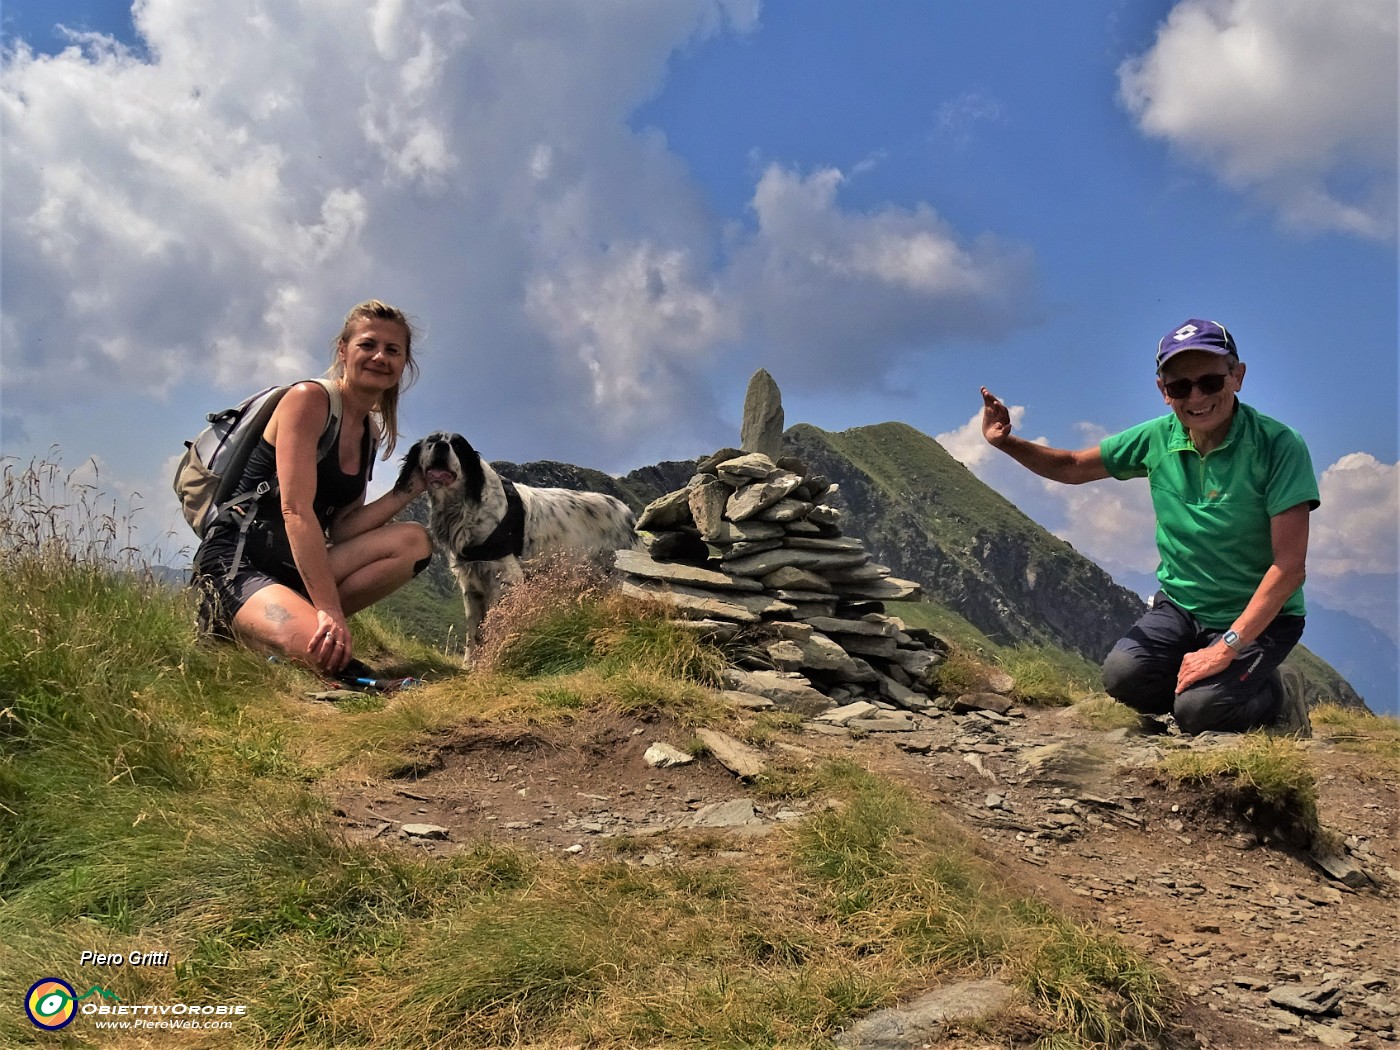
(1232, 639)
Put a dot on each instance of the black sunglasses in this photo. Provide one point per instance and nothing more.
(1180, 389)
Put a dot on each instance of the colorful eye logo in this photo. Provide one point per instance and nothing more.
(51, 1004)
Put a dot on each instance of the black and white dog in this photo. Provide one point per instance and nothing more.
(489, 527)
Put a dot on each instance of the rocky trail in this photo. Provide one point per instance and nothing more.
(1266, 948)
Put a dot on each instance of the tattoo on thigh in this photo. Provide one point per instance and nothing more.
(276, 614)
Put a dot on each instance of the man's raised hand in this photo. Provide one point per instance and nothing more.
(996, 420)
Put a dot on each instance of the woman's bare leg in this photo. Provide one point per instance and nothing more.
(378, 563)
(366, 568)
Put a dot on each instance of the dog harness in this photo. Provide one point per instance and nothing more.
(508, 537)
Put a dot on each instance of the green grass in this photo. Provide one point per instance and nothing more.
(1047, 676)
(159, 793)
(563, 618)
(964, 671)
(1267, 778)
(1104, 712)
(942, 621)
(897, 875)
(1274, 767)
(424, 610)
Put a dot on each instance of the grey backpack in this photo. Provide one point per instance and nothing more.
(209, 477)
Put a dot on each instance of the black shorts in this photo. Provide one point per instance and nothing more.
(267, 559)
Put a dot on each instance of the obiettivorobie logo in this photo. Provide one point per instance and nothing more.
(51, 1003)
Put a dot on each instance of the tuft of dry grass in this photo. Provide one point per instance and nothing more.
(963, 672)
(556, 588)
(49, 517)
(1354, 730)
(1104, 712)
(565, 617)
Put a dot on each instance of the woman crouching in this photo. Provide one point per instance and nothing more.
(317, 552)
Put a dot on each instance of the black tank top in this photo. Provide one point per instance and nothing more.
(335, 489)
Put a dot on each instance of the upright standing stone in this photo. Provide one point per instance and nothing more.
(762, 429)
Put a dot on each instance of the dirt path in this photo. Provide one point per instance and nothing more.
(1079, 814)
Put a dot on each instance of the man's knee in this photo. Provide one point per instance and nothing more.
(1136, 681)
(1212, 708)
(1123, 674)
(1201, 710)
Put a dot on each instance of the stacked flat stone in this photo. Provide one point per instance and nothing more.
(754, 544)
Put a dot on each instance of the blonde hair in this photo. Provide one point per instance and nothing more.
(386, 413)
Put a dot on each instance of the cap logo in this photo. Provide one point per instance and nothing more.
(1186, 331)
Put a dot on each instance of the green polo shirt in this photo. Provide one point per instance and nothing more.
(1213, 511)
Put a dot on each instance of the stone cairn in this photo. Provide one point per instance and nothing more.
(752, 549)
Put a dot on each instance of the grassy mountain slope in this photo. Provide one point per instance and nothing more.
(926, 516)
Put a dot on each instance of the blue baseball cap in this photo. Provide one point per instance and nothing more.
(1195, 334)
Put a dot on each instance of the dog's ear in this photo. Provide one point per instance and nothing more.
(410, 466)
(473, 476)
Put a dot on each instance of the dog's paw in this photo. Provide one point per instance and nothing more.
(405, 480)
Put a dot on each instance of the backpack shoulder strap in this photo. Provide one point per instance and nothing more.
(332, 431)
(231, 492)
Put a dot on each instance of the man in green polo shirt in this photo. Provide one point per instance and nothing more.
(1232, 490)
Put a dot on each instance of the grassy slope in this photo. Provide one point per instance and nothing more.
(911, 467)
(159, 794)
(423, 610)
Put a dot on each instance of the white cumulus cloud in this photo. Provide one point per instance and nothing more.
(206, 208)
(1357, 528)
(847, 294)
(1292, 101)
(635, 316)
(1110, 521)
(202, 210)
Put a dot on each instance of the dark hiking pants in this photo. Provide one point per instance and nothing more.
(1142, 668)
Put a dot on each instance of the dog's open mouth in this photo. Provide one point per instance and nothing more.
(440, 477)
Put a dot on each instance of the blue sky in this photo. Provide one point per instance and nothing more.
(605, 216)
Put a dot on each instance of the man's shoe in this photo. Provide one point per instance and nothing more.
(1292, 717)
